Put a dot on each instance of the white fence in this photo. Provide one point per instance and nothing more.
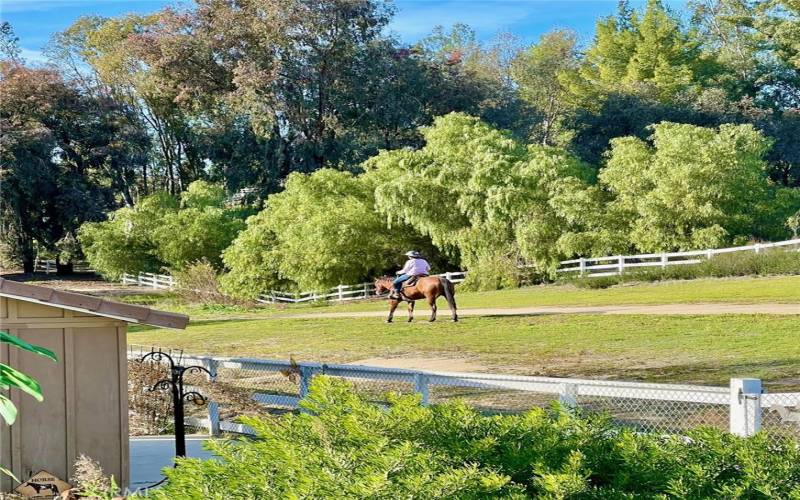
(617, 264)
(49, 267)
(338, 293)
(341, 292)
(150, 280)
(743, 407)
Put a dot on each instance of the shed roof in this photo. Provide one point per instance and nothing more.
(92, 305)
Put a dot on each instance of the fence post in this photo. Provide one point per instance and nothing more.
(366, 290)
(569, 395)
(340, 288)
(758, 248)
(421, 386)
(709, 254)
(621, 264)
(306, 373)
(213, 407)
(745, 403)
(582, 266)
(663, 261)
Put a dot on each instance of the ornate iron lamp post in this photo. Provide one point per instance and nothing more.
(175, 385)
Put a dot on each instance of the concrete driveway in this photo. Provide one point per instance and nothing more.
(151, 454)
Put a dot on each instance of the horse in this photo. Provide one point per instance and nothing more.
(428, 287)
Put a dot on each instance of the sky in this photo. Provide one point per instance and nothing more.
(35, 21)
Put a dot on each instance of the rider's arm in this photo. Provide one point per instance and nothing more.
(406, 268)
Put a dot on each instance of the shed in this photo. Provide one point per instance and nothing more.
(85, 407)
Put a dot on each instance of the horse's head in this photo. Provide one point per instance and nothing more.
(383, 285)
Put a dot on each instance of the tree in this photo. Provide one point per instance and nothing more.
(691, 188)
(321, 231)
(63, 151)
(480, 194)
(539, 72)
(162, 231)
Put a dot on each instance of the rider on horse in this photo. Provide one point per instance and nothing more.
(415, 266)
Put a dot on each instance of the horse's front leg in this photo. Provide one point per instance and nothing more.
(432, 304)
(392, 307)
(411, 310)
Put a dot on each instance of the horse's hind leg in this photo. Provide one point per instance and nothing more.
(411, 311)
(432, 303)
(392, 306)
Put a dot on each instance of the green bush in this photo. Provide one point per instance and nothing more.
(162, 231)
(344, 447)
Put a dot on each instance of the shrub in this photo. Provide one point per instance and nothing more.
(344, 447)
(199, 283)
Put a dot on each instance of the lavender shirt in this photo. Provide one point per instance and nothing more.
(415, 267)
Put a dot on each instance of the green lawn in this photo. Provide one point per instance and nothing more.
(699, 349)
(730, 290)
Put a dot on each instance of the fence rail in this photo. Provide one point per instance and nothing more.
(49, 267)
(590, 267)
(617, 264)
(742, 408)
(150, 280)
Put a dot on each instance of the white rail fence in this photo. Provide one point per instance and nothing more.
(339, 293)
(342, 292)
(742, 408)
(590, 267)
(150, 280)
(49, 267)
(617, 264)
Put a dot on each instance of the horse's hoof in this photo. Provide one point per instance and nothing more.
(455, 320)
(431, 320)
(410, 320)
(388, 321)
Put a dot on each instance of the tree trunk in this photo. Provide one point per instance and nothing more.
(64, 269)
(27, 265)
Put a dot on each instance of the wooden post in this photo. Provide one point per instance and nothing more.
(213, 407)
(366, 290)
(745, 404)
(421, 387)
(339, 289)
(758, 248)
(663, 261)
(582, 266)
(621, 264)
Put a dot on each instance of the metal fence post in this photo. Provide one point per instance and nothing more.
(421, 386)
(569, 395)
(745, 404)
(306, 373)
(213, 407)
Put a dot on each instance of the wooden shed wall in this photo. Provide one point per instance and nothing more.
(85, 407)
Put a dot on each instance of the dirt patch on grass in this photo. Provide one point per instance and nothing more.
(440, 364)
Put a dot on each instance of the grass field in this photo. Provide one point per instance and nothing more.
(698, 349)
(782, 289)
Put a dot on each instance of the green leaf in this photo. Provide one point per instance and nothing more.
(8, 473)
(7, 410)
(16, 379)
(7, 338)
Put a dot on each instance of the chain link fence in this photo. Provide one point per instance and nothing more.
(265, 387)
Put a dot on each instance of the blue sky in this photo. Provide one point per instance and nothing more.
(36, 20)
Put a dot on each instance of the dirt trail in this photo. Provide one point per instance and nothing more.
(660, 309)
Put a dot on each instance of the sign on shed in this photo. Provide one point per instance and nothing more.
(42, 485)
(85, 407)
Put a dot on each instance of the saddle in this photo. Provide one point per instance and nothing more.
(413, 280)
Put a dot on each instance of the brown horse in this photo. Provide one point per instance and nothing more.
(429, 288)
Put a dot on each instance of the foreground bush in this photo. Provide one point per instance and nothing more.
(347, 448)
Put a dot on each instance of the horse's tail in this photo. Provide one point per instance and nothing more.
(449, 293)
